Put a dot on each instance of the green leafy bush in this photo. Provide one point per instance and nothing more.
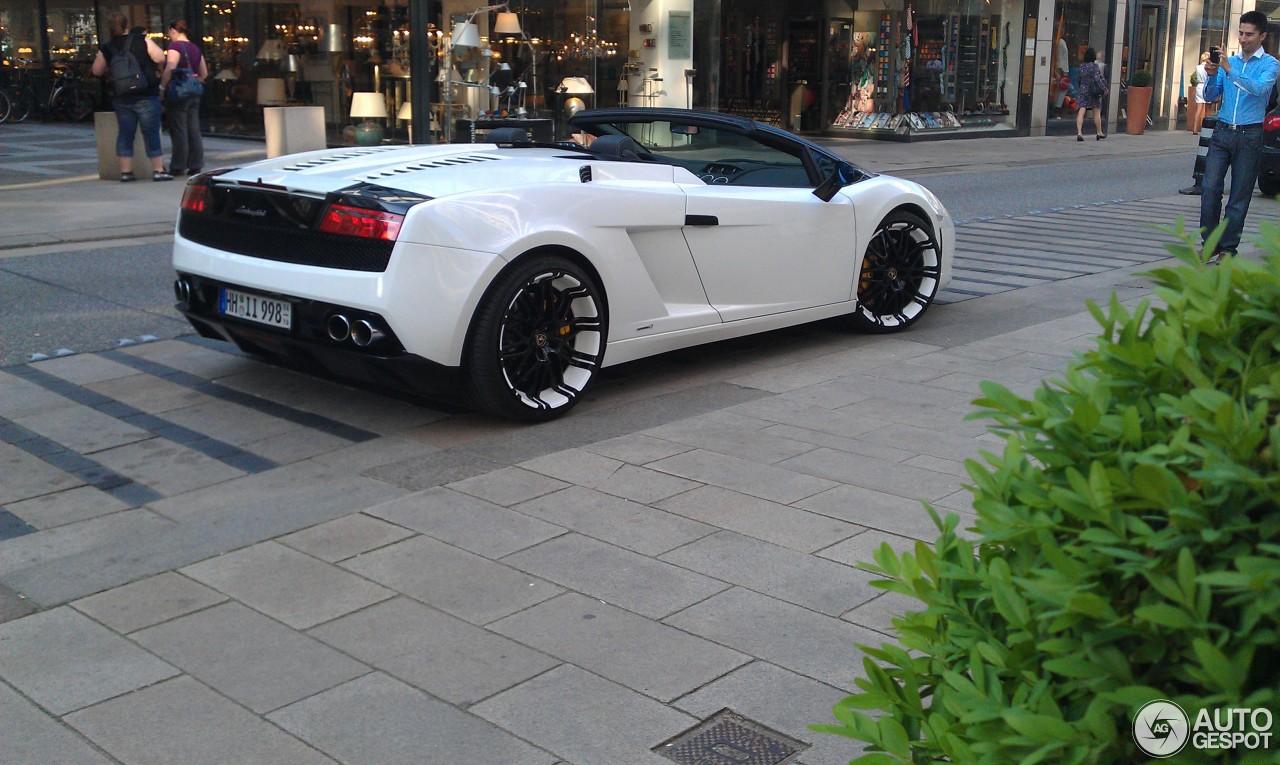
(1141, 78)
(1127, 546)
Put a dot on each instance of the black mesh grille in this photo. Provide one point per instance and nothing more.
(287, 245)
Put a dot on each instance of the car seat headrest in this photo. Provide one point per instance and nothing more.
(507, 135)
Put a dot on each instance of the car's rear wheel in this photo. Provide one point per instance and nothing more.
(1270, 187)
(900, 274)
(537, 340)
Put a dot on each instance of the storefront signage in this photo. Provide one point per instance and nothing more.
(679, 34)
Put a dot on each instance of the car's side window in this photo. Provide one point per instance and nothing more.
(719, 156)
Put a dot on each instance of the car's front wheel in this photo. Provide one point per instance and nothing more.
(900, 274)
(1270, 187)
(537, 340)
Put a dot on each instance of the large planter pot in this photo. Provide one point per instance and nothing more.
(1135, 109)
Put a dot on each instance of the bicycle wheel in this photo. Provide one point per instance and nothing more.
(5, 105)
(23, 102)
(76, 104)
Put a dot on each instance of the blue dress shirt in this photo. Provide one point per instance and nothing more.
(1245, 90)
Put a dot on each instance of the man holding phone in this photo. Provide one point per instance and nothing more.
(1244, 81)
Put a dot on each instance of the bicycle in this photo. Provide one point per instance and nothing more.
(6, 105)
(67, 97)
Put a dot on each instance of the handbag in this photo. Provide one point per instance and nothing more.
(183, 83)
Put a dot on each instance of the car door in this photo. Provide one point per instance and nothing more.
(768, 249)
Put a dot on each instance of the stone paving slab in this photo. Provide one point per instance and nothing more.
(759, 518)
(621, 577)
(60, 508)
(148, 602)
(580, 717)
(33, 738)
(64, 661)
(345, 537)
(453, 580)
(183, 721)
(641, 654)
(615, 520)
(250, 658)
(287, 585)
(763, 481)
(441, 654)
(462, 520)
(411, 727)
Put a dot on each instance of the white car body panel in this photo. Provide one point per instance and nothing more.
(778, 257)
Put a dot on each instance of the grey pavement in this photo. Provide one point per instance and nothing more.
(205, 558)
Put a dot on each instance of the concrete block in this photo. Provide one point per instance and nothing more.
(293, 129)
(105, 130)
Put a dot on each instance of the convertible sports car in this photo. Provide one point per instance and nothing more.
(513, 272)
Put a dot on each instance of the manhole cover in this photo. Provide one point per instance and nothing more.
(728, 738)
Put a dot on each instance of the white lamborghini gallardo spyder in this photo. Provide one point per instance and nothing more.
(512, 271)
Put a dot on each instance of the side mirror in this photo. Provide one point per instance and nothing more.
(841, 176)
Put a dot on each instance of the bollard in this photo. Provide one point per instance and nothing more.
(1197, 174)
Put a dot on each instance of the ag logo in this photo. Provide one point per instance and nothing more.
(1160, 728)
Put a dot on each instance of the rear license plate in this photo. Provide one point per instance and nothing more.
(256, 308)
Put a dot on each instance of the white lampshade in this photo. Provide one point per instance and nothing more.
(368, 105)
(406, 112)
(225, 74)
(271, 91)
(466, 35)
(271, 50)
(507, 24)
(292, 64)
(576, 85)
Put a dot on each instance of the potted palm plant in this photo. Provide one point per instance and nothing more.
(1138, 102)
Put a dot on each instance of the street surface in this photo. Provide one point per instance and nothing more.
(206, 558)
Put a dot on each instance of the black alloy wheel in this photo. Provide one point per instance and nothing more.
(900, 274)
(537, 340)
(1269, 187)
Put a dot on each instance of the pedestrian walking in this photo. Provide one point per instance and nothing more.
(1091, 86)
(136, 85)
(1244, 81)
(181, 109)
(1198, 107)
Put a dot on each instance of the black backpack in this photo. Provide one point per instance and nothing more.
(127, 76)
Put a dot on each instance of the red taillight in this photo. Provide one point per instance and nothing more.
(193, 197)
(1271, 122)
(357, 221)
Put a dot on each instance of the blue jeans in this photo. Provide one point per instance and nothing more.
(1241, 151)
(144, 111)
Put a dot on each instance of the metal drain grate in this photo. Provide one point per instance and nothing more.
(728, 738)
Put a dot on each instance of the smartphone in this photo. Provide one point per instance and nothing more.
(1215, 54)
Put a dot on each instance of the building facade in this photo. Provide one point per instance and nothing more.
(893, 69)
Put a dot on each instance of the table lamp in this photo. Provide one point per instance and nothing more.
(271, 91)
(406, 115)
(370, 106)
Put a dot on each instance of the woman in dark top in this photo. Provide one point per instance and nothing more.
(184, 116)
(135, 110)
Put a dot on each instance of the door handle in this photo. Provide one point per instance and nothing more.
(701, 220)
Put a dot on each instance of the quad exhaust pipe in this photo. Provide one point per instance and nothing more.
(362, 332)
(338, 327)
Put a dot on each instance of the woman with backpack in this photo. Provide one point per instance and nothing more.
(133, 62)
(181, 104)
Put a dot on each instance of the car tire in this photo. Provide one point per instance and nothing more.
(1268, 186)
(899, 275)
(537, 339)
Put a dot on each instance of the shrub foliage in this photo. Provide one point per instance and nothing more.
(1127, 545)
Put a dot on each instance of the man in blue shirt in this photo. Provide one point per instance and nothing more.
(1244, 81)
